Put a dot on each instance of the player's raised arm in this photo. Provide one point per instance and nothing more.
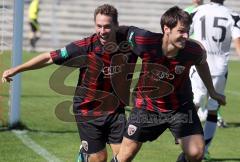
(37, 62)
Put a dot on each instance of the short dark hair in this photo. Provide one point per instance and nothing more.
(174, 14)
(218, 1)
(107, 10)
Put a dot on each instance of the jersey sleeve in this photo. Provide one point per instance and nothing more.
(202, 59)
(236, 26)
(142, 40)
(72, 50)
(196, 51)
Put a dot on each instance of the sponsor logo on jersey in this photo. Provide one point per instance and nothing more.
(64, 53)
(85, 145)
(110, 70)
(179, 69)
(131, 129)
(160, 75)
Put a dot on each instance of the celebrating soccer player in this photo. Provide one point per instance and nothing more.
(99, 112)
(163, 96)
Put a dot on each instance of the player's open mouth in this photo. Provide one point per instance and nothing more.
(105, 37)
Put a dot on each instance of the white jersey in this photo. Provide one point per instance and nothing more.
(215, 26)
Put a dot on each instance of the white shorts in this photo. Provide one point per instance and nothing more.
(201, 96)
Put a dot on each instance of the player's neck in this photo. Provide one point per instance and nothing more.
(169, 50)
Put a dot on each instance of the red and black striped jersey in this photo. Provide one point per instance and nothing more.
(164, 83)
(96, 93)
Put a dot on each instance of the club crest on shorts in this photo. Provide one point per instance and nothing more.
(179, 69)
(85, 145)
(131, 129)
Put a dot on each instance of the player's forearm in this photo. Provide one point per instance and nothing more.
(204, 73)
(37, 62)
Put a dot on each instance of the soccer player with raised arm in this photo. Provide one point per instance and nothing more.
(163, 96)
(98, 110)
(214, 26)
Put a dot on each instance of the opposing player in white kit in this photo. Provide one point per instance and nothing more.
(214, 26)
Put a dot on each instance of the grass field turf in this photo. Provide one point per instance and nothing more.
(61, 139)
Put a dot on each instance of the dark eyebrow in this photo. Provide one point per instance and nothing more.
(107, 25)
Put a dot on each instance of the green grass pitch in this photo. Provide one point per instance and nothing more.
(60, 138)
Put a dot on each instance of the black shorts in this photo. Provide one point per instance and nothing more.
(96, 133)
(144, 125)
(34, 25)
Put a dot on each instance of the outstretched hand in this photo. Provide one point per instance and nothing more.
(7, 74)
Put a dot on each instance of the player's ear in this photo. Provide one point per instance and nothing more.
(166, 29)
